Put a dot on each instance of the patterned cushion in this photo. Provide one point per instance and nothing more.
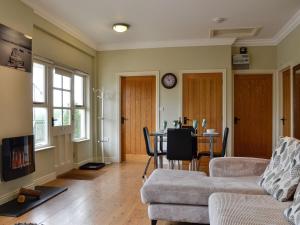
(282, 175)
(292, 213)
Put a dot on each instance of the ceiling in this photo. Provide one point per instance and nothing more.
(167, 23)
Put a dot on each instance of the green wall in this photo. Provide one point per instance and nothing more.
(288, 51)
(261, 57)
(16, 86)
(163, 60)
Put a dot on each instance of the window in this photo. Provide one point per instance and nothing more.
(40, 106)
(67, 104)
(62, 105)
(80, 109)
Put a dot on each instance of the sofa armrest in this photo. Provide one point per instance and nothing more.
(237, 166)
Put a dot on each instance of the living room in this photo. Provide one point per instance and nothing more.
(158, 42)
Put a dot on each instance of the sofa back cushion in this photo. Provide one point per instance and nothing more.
(282, 175)
(292, 213)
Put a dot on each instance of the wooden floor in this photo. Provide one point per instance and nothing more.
(112, 198)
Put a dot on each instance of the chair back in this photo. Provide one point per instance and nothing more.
(181, 145)
(147, 141)
(224, 143)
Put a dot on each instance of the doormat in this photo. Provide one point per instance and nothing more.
(92, 166)
(15, 209)
(27, 224)
(76, 174)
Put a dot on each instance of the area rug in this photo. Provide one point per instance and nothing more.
(27, 224)
(82, 174)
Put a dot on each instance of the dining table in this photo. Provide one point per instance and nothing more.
(161, 136)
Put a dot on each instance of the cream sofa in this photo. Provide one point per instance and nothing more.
(239, 209)
(183, 196)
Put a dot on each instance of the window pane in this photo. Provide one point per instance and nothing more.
(66, 117)
(57, 116)
(66, 99)
(57, 98)
(38, 81)
(40, 126)
(57, 81)
(78, 90)
(66, 83)
(79, 123)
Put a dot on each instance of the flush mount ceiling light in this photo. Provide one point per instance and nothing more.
(120, 27)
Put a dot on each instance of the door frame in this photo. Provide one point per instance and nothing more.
(280, 100)
(284, 67)
(118, 106)
(224, 95)
(275, 96)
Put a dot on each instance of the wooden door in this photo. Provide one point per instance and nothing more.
(296, 101)
(286, 103)
(253, 115)
(202, 98)
(138, 108)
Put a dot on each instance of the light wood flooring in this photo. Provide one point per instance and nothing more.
(112, 198)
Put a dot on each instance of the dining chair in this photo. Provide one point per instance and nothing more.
(217, 154)
(150, 151)
(181, 145)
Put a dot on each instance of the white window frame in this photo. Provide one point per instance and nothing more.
(85, 105)
(44, 104)
(65, 128)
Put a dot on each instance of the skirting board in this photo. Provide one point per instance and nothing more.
(78, 164)
(39, 181)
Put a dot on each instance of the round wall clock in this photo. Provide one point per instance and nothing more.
(169, 80)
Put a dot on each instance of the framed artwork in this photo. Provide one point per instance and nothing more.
(15, 49)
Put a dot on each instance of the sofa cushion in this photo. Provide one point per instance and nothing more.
(292, 213)
(237, 209)
(179, 213)
(281, 177)
(193, 188)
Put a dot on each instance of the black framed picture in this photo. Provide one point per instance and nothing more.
(15, 49)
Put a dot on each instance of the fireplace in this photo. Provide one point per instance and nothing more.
(17, 157)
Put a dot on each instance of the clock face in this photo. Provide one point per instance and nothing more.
(169, 80)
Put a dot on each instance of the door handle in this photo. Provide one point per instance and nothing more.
(123, 119)
(283, 120)
(236, 120)
(185, 119)
(53, 121)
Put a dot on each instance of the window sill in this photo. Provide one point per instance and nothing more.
(37, 149)
(81, 140)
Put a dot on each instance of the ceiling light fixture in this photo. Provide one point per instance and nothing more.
(120, 27)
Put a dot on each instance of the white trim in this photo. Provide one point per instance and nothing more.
(78, 164)
(79, 140)
(43, 148)
(224, 93)
(166, 44)
(62, 25)
(287, 28)
(39, 181)
(277, 38)
(255, 42)
(274, 97)
(273, 41)
(118, 106)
